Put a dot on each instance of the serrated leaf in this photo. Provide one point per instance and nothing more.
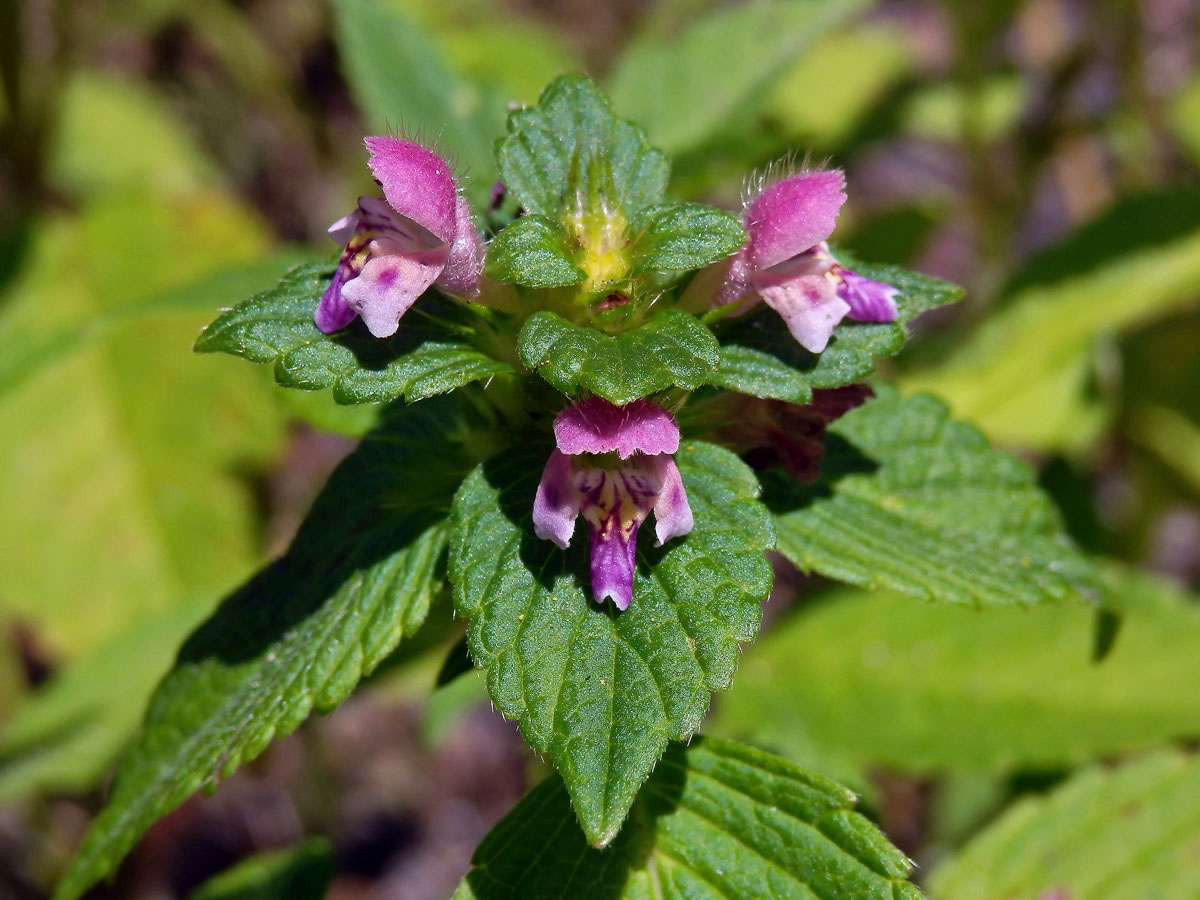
(672, 349)
(430, 354)
(602, 692)
(682, 236)
(686, 88)
(302, 872)
(358, 578)
(760, 357)
(911, 500)
(865, 675)
(533, 251)
(570, 125)
(716, 821)
(1128, 833)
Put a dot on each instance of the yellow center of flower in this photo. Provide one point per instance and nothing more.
(603, 253)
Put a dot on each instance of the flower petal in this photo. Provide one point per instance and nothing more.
(597, 426)
(388, 285)
(343, 229)
(809, 304)
(615, 502)
(333, 312)
(464, 266)
(417, 183)
(378, 219)
(793, 215)
(370, 230)
(869, 300)
(672, 512)
(614, 553)
(556, 504)
(735, 279)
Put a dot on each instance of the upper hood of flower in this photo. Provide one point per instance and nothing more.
(793, 215)
(597, 426)
(420, 186)
(417, 183)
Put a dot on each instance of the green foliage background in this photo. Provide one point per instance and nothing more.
(136, 476)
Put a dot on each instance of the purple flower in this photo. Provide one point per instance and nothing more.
(613, 466)
(423, 235)
(768, 433)
(788, 265)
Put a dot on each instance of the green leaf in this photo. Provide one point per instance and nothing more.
(716, 821)
(687, 88)
(1183, 118)
(125, 465)
(302, 872)
(469, 32)
(357, 579)
(1134, 223)
(570, 125)
(1159, 400)
(159, 508)
(913, 501)
(672, 349)
(682, 236)
(924, 689)
(602, 692)
(422, 359)
(1128, 833)
(120, 136)
(402, 80)
(1028, 375)
(760, 357)
(941, 110)
(533, 251)
(34, 353)
(64, 736)
(850, 70)
(1172, 436)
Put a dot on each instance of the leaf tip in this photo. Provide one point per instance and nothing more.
(203, 341)
(601, 843)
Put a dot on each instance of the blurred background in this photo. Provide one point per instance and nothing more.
(165, 158)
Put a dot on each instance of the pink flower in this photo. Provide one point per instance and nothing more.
(787, 264)
(613, 466)
(422, 236)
